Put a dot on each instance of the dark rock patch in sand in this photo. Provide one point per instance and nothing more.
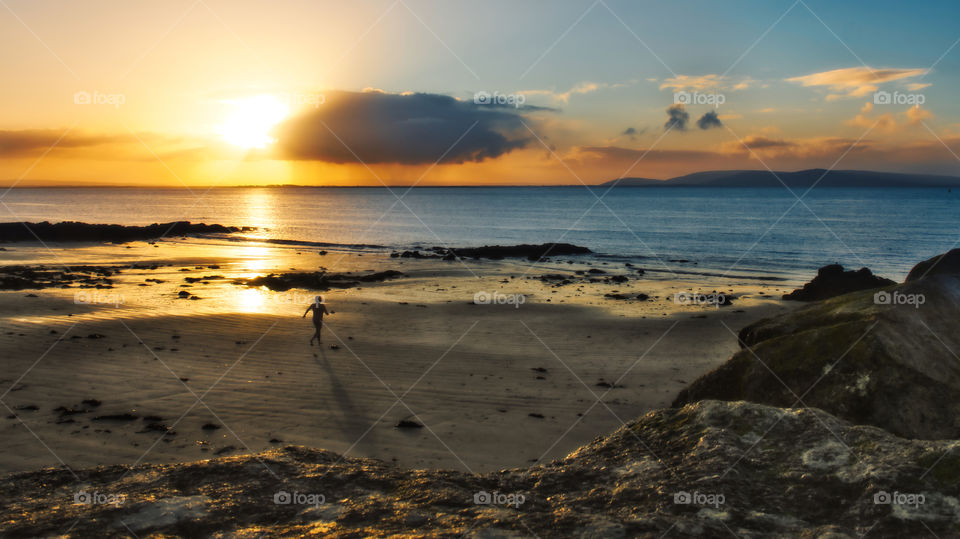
(319, 280)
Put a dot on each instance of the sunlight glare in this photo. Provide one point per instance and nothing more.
(249, 125)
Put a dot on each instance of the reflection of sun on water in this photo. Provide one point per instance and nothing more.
(258, 211)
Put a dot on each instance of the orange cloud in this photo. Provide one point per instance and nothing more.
(855, 81)
(917, 115)
(705, 82)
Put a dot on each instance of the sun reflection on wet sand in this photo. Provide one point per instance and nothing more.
(251, 300)
(255, 259)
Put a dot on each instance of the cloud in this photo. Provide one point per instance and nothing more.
(581, 88)
(413, 128)
(27, 141)
(916, 115)
(677, 118)
(887, 122)
(708, 120)
(75, 143)
(855, 81)
(705, 82)
(632, 132)
(884, 123)
(811, 150)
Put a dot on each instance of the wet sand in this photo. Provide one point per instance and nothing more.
(493, 386)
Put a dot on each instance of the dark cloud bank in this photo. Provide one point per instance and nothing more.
(417, 128)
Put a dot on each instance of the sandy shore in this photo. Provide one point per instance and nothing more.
(494, 386)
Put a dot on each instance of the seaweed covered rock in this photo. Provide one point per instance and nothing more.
(877, 357)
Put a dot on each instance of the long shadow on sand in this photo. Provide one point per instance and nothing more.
(349, 419)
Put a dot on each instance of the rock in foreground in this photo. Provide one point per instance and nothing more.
(884, 358)
(832, 281)
(707, 470)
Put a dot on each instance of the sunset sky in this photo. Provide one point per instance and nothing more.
(209, 92)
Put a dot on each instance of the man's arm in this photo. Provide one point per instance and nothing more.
(307, 311)
(325, 311)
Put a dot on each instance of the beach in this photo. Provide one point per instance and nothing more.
(493, 364)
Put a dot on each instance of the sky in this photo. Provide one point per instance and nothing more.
(404, 92)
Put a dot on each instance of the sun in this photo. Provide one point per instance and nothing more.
(251, 120)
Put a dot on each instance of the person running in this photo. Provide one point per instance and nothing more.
(319, 309)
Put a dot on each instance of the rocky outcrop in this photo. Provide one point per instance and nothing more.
(71, 231)
(832, 281)
(498, 252)
(36, 277)
(879, 357)
(319, 280)
(706, 470)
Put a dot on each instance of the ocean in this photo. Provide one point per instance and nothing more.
(756, 232)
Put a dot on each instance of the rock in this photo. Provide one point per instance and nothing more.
(320, 280)
(535, 252)
(70, 231)
(697, 471)
(946, 263)
(882, 358)
(833, 281)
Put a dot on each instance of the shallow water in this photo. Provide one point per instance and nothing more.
(764, 231)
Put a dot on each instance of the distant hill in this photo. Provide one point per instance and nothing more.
(799, 179)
